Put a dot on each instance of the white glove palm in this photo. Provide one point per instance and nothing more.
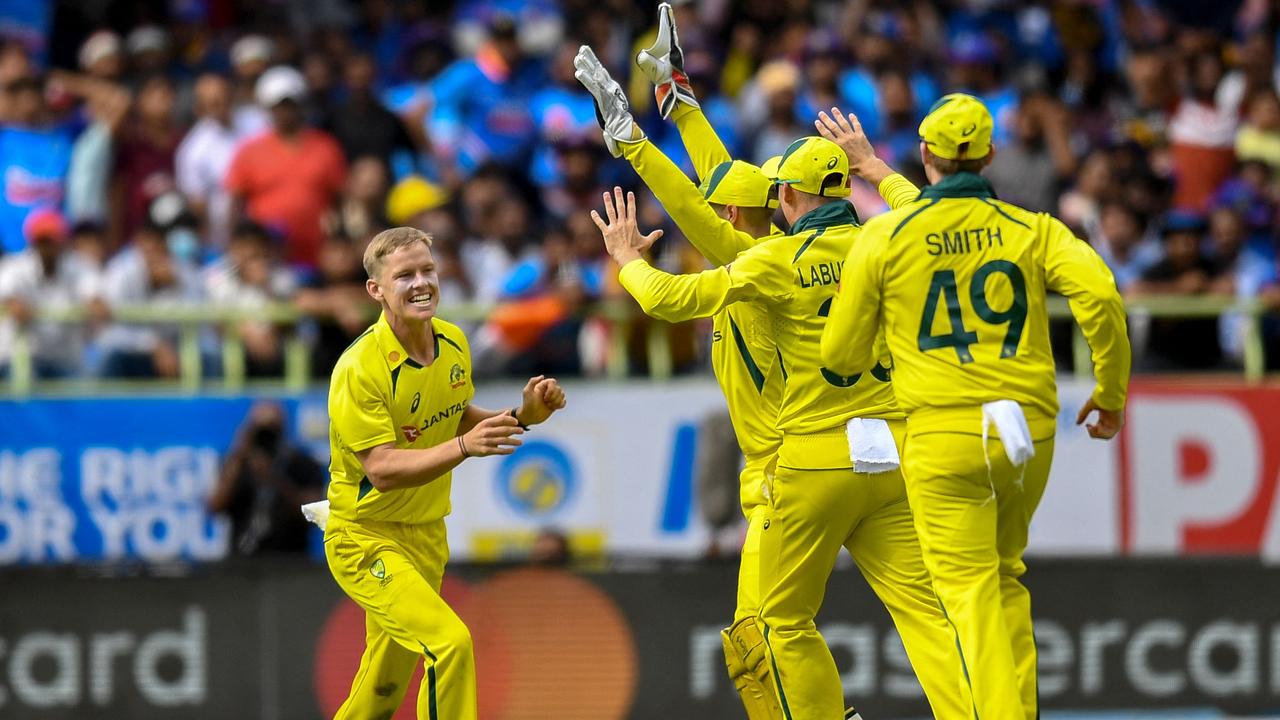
(613, 112)
(663, 64)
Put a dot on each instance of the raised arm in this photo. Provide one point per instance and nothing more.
(1075, 270)
(754, 275)
(714, 237)
(849, 337)
(896, 190)
(701, 141)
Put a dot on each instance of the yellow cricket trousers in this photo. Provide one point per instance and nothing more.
(818, 504)
(972, 511)
(754, 509)
(394, 571)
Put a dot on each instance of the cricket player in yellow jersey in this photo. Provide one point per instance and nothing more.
(816, 501)
(400, 420)
(956, 283)
(743, 354)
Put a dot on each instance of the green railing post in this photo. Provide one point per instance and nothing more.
(297, 362)
(21, 366)
(1255, 361)
(233, 370)
(189, 355)
(660, 360)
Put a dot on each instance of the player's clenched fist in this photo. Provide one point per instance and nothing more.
(541, 397)
(493, 436)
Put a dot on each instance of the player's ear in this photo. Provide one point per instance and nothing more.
(371, 287)
(732, 212)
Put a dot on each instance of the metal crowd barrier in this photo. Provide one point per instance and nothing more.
(619, 314)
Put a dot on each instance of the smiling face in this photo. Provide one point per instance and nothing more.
(407, 284)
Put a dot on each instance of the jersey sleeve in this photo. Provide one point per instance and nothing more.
(1075, 270)
(358, 411)
(713, 237)
(675, 298)
(849, 337)
(898, 191)
(704, 146)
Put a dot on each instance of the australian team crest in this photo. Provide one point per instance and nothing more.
(457, 376)
(379, 571)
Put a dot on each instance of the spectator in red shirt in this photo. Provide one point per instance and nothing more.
(289, 176)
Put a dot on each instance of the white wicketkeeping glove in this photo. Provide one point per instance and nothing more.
(663, 64)
(613, 112)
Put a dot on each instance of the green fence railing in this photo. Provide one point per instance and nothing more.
(620, 315)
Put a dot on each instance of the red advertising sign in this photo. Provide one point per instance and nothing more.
(1198, 467)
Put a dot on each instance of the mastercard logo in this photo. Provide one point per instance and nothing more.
(548, 644)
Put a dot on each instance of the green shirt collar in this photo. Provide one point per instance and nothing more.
(833, 213)
(959, 185)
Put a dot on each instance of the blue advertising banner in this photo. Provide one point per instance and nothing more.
(110, 479)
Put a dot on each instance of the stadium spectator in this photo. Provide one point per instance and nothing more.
(359, 213)
(45, 277)
(288, 177)
(336, 300)
(204, 156)
(89, 244)
(777, 83)
(89, 177)
(249, 277)
(35, 152)
(102, 56)
(1081, 206)
(143, 163)
(1259, 136)
(565, 117)
(1124, 244)
(482, 103)
(1202, 132)
(1030, 170)
(1180, 343)
(145, 274)
(360, 123)
(251, 55)
(264, 479)
(148, 47)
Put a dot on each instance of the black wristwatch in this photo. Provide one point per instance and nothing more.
(519, 422)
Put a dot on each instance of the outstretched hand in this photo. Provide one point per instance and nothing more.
(621, 231)
(848, 134)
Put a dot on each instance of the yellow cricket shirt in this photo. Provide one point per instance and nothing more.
(957, 279)
(377, 395)
(743, 353)
(794, 276)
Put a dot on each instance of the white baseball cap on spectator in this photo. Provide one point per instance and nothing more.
(99, 46)
(251, 48)
(278, 84)
(148, 38)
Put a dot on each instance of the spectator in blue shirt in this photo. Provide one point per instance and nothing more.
(35, 154)
(482, 104)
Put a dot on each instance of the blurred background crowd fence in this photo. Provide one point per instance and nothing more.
(616, 317)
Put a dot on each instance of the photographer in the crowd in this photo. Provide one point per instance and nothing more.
(264, 480)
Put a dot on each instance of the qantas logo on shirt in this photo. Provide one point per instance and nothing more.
(411, 432)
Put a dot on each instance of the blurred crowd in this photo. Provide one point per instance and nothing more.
(223, 153)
